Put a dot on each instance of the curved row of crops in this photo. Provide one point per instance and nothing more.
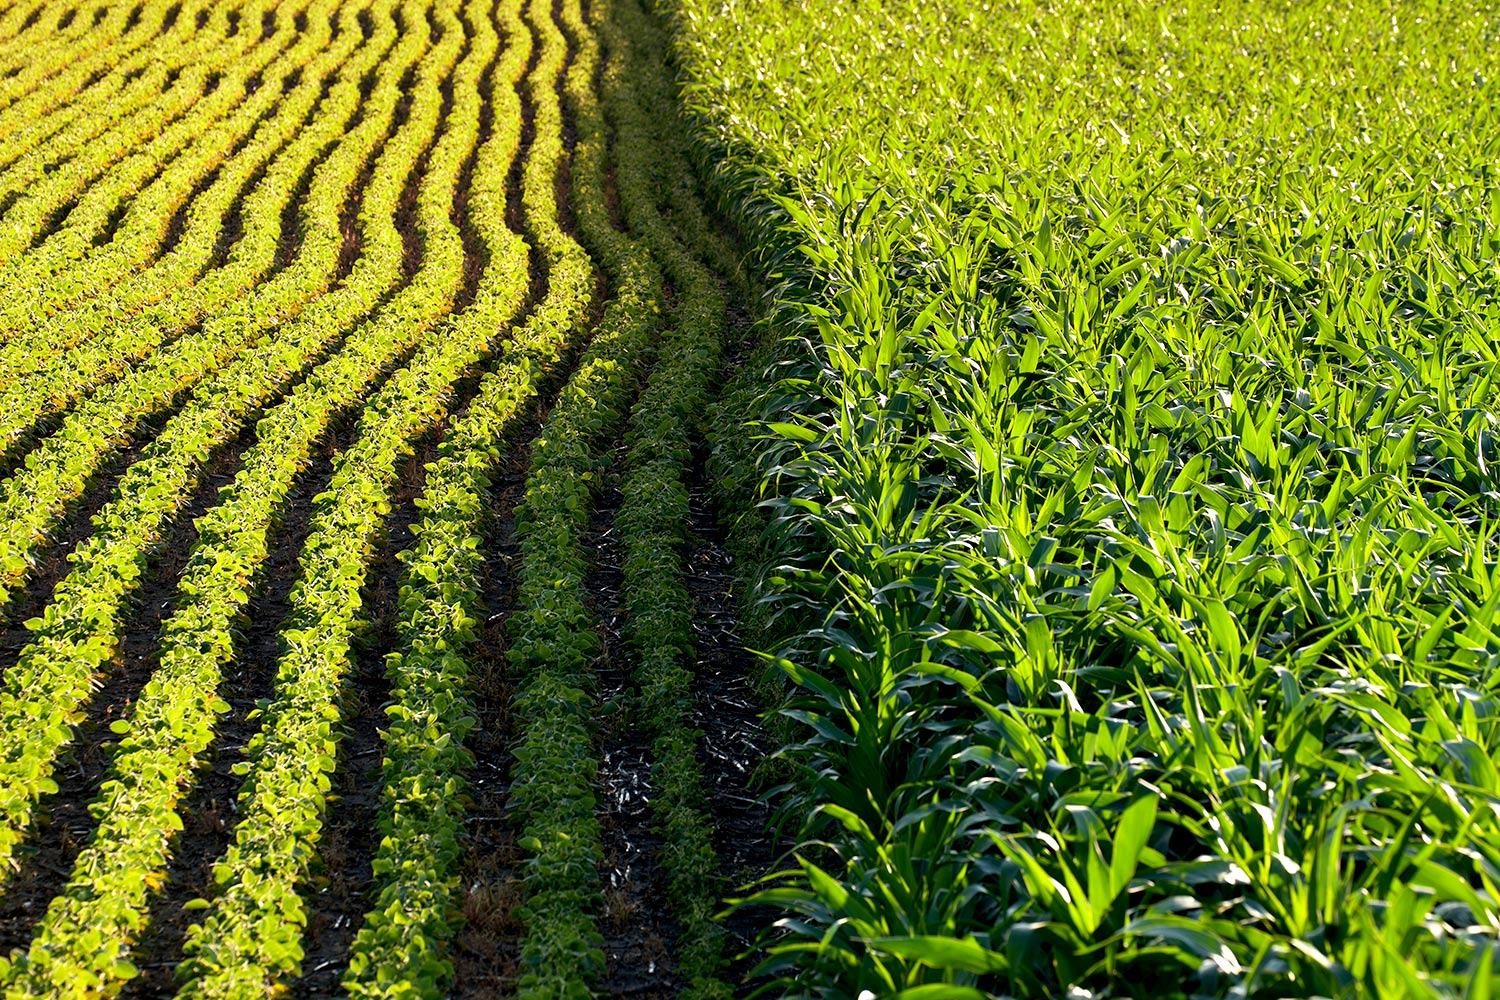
(261, 256)
(1132, 455)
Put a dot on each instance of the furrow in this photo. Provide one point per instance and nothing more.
(127, 29)
(653, 518)
(639, 931)
(484, 950)
(402, 948)
(161, 127)
(283, 800)
(38, 323)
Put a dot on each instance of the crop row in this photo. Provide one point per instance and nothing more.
(92, 193)
(54, 24)
(19, 21)
(197, 640)
(43, 143)
(399, 952)
(653, 518)
(553, 642)
(98, 139)
(119, 309)
(32, 146)
(399, 946)
(252, 930)
(271, 113)
(160, 127)
(77, 632)
(116, 45)
(60, 467)
(116, 332)
(39, 25)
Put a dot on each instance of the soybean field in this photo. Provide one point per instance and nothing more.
(414, 412)
(362, 587)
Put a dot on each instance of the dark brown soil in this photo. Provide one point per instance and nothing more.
(639, 930)
(475, 257)
(727, 710)
(291, 233)
(339, 895)
(337, 898)
(640, 936)
(486, 950)
(52, 564)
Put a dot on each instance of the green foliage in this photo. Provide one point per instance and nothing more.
(242, 356)
(1133, 445)
(53, 68)
(251, 935)
(202, 240)
(107, 155)
(58, 346)
(153, 179)
(173, 721)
